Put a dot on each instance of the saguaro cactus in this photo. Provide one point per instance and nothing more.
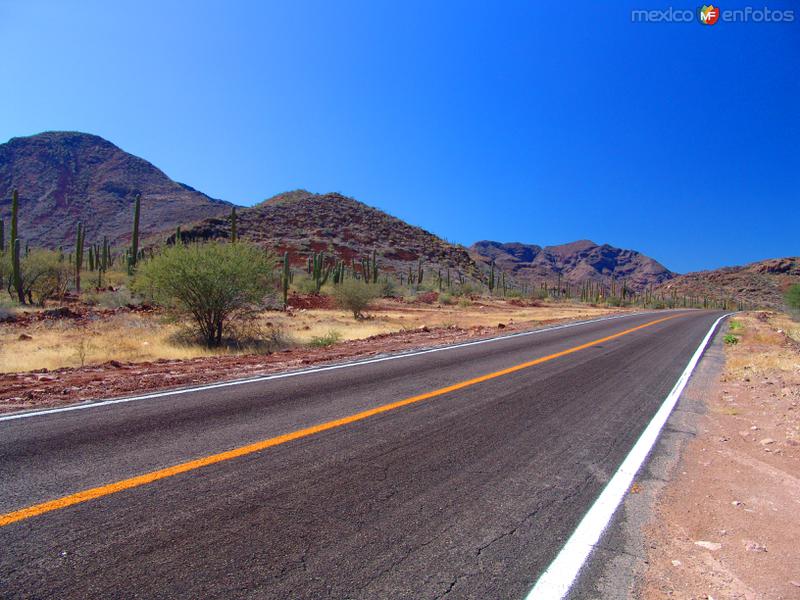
(79, 241)
(286, 275)
(234, 232)
(16, 271)
(137, 208)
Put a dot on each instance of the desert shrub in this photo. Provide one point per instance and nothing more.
(211, 283)
(389, 289)
(355, 295)
(304, 284)
(730, 339)
(45, 275)
(735, 325)
(467, 289)
(109, 298)
(446, 299)
(464, 302)
(792, 297)
(614, 301)
(326, 340)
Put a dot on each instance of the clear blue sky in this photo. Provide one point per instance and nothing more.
(504, 121)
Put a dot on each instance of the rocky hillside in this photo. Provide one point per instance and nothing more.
(302, 222)
(760, 284)
(576, 262)
(66, 177)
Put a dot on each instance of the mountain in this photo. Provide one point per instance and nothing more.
(65, 177)
(302, 222)
(760, 283)
(575, 262)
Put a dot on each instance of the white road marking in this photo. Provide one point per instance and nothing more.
(259, 379)
(556, 581)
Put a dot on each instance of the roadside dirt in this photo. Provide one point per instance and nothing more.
(43, 388)
(727, 525)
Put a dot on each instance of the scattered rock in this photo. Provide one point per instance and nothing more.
(24, 337)
(708, 545)
(676, 563)
(501, 325)
(751, 546)
(766, 441)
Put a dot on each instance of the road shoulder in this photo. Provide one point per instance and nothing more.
(713, 513)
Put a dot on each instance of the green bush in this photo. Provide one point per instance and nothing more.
(446, 299)
(793, 296)
(730, 339)
(355, 295)
(211, 283)
(45, 276)
(326, 340)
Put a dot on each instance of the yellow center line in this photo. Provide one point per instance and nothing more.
(139, 480)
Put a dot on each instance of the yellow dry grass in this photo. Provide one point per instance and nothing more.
(130, 337)
(762, 346)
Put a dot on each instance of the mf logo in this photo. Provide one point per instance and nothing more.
(708, 14)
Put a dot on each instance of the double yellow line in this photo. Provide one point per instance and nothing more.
(139, 480)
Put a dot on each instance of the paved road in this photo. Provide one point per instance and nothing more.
(468, 494)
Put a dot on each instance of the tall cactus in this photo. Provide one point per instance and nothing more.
(79, 242)
(491, 277)
(234, 232)
(286, 275)
(2, 246)
(16, 271)
(15, 251)
(137, 209)
(319, 272)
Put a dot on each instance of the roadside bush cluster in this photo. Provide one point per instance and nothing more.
(211, 284)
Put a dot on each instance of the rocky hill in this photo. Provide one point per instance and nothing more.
(576, 263)
(760, 284)
(66, 177)
(301, 222)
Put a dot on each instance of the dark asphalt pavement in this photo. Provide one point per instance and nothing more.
(469, 494)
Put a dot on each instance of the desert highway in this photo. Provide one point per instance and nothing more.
(456, 473)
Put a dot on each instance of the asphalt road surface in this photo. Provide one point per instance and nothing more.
(466, 493)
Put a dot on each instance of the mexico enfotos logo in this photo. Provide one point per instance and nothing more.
(710, 15)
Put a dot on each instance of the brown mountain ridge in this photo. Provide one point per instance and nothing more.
(302, 222)
(576, 263)
(64, 177)
(760, 284)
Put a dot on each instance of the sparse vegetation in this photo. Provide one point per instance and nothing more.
(792, 298)
(730, 339)
(355, 296)
(208, 283)
(323, 341)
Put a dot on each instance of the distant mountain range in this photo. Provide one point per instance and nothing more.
(575, 262)
(762, 283)
(66, 177)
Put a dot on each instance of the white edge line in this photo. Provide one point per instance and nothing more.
(213, 386)
(556, 581)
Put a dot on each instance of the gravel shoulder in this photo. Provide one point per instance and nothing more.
(713, 514)
(727, 523)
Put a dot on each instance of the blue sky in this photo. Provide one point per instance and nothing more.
(505, 121)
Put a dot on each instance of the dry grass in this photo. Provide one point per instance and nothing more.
(129, 337)
(762, 346)
(126, 337)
